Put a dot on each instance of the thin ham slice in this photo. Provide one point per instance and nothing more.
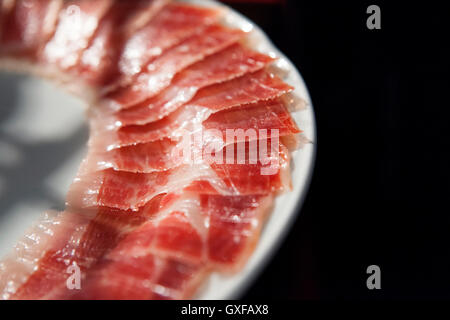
(20, 263)
(163, 154)
(81, 239)
(179, 232)
(171, 255)
(245, 90)
(168, 256)
(146, 157)
(33, 273)
(99, 62)
(271, 114)
(137, 267)
(162, 252)
(265, 171)
(141, 278)
(77, 23)
(242, 90)
(169, 27)
(197, 230)
(128, 190)
(159, 73)
(233, 232)
(27, 25)
(226, 65)
(42, 259)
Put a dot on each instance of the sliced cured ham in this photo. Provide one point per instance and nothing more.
(99, 62)
(140, 268)
(164, 257)
(167, 257)
(221, 67)
(127, 190)
(170, 26)
(70, 238)
(261, 168)
(189, 232)
(245, 179)
(159, 73)
(141, 278)
(53, 237)
(137, 258)
(20, 263)
(163, 154)
(233, 232)
(190, 138)
(177, 232)
(77, 23)
(145, 157)
(244, 90)
(272, 114)
(26, 25)
(228, 64)
(181, 249)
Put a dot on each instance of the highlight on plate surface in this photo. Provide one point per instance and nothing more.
(191, 136)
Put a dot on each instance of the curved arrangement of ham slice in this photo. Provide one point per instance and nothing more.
(190, 143)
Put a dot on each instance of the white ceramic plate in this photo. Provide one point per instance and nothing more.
(42, 142)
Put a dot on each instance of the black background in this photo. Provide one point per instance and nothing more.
(380, 188)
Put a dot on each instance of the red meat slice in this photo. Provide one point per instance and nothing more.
(165, 154)
(99, 62)
(272, 114)
(27, 25)
(234, 226)
(221, 67)
(127, 190)
(245, 90)
(80, 238)
(141, 278)
(174, 23)
(167, 257)
(77, 23)
(159, 73)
